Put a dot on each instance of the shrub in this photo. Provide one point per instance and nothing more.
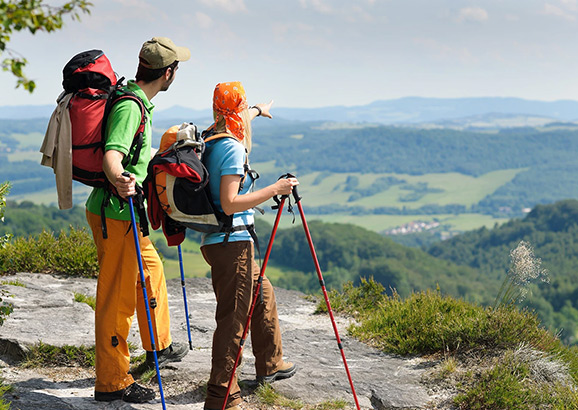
(531, 367)
(72, 254)
(510, 384)
(428, 322)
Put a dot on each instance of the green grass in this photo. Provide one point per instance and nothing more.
(82, 298)
(458, 188)
(428, 322)
(267, 395)
(194, 266)
(521, 365)
(71, 253)
(13, 283)
(4, 388)
(44, 355)
(193, 262)
(509, 385)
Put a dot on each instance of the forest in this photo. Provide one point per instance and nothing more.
(471, 266)
(545, 156)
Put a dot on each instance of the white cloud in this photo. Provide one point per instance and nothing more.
(318, 5)
(472, 14)
(203, 20)
(552, 10)
(230, 6)
(570, 4)
(359, 13)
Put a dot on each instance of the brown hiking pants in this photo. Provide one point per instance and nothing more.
(118, 294)
(234, 275)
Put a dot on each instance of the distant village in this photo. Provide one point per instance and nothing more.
(412, 227)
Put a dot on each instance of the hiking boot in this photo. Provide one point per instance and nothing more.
(174, 353)
(227, 408)
(286, 370)
(134, 393)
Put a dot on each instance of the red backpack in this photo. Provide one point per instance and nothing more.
(91, 79)
(92, 86)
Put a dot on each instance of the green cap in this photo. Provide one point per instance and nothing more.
(160, 52)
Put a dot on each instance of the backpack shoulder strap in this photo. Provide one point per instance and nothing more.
(121, 94)
(218, 136)
(247, 169)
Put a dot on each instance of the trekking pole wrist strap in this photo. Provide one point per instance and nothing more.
(277, 198)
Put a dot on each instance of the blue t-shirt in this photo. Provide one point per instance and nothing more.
(226, 156)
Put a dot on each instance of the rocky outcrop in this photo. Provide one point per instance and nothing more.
(45, 310)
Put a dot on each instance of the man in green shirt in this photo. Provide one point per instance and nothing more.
(119, 290)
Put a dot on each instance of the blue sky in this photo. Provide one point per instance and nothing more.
(313, 53)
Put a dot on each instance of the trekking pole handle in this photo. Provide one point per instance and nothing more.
(296, 194)
(294, 191)
(126, 174)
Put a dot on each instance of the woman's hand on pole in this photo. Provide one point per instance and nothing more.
(232, 202)
(284, 186)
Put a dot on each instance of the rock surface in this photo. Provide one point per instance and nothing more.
(45, 310)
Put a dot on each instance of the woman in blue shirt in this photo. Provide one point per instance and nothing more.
(234, 271)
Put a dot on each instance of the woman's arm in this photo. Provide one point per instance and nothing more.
(261, 110)
(232, 202)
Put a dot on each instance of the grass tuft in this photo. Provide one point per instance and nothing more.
(44, 355)
(15, 282)
(4, 388)
(82, 298)
(266, 394)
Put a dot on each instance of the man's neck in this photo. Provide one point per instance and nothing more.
(150, 89)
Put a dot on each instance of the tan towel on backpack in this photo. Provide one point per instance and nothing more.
(57, 150)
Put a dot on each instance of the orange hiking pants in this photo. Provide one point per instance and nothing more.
(234, 274)
(118, 294)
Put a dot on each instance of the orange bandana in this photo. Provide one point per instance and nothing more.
(228, 101)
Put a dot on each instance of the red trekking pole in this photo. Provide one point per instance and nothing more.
(255, 296)
(322, 283)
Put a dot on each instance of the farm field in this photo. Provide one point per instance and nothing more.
(457, 189)
(380, 223)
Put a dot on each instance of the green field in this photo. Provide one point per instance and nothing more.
(457, 189)
(380, 223)
(193, 263)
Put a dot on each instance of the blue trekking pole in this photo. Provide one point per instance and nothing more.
(144, 291)
(185, 297)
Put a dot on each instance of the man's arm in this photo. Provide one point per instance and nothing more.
(112, 166)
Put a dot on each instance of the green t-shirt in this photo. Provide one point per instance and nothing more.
(122, 125)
